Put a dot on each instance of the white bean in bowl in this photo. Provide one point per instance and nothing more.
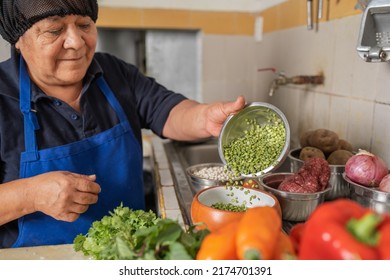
(219, 173)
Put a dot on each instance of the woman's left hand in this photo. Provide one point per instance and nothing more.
(217, 113)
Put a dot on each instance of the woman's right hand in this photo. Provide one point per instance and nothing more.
(63, 195)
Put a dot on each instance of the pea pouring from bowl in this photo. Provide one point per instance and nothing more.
(255, 140)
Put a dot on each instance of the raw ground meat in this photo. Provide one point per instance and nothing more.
(300, 184)
(292, 187)
(312, 177)
(318, 168)
(311, 185)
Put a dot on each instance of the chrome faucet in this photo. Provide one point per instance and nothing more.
(282, 79)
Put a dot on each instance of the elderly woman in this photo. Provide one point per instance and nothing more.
(71, 120)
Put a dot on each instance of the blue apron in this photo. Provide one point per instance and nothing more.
(114, 155)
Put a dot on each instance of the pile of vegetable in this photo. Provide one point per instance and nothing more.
(363, 167)
(343, 230)
(325, 144)
(218, 173)
(139, 235)
(368, 170)
(258, 235)
(258, 148)
(229, 207)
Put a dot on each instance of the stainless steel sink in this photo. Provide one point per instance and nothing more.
(181, 155)
(191, 154)
(207, 152)
(197, 154)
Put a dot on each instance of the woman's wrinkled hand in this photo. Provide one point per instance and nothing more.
(217, 113)
(191, 120)
(64, 195)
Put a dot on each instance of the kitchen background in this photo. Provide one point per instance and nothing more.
(212, 50)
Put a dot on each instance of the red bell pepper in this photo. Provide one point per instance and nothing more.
(343, 229)
(295, 234)
(384, 240)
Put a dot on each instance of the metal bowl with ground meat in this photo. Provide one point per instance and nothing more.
(296, 207)
(339, 187)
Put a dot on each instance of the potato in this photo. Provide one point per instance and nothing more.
(339, 157)
(303, 139)
(325, 140)
(310, 152)
(345, 145)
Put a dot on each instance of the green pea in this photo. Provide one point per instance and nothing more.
(229, 207)
(258, 148)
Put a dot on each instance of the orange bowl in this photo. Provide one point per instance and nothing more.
(205, 216)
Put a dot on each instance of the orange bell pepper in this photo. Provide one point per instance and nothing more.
(284, 249)
(257, 233)
(219, 244)
(343, 229)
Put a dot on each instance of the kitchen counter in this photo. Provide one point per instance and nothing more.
(173, 193)
(55, 252)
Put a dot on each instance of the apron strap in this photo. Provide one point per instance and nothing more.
(111, 99)
(30, 118)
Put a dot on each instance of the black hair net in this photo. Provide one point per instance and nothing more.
(16, 16)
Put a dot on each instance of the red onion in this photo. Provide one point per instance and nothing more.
(366, 169)
(384, 185)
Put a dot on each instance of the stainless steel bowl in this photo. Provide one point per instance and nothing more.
(296, 207)
(369, 197)
(339, 188)
(235, 126)
(198, 183)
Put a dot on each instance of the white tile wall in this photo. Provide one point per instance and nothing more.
(229, 67)
(360, 123)
(383, 83)
(354, 101)
(338, 116)
(381, 131)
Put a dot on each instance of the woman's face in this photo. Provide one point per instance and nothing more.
(58, 50)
